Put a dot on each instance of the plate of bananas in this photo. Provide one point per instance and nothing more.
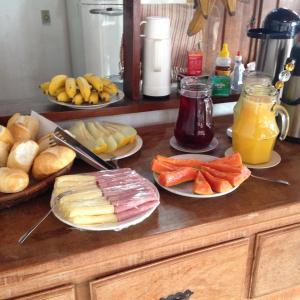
(84, 92)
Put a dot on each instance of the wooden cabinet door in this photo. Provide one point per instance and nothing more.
(62, 293)
(213, 273)
(276, 261)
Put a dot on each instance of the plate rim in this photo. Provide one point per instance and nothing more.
(191, 195)
(95, 106)
(182, 149)
(105, 227)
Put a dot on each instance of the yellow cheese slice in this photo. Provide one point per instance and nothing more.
(88, 220)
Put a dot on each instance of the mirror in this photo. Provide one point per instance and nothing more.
(42, 38)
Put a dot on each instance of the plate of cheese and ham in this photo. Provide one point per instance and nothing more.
(105, 200)
(199, 175)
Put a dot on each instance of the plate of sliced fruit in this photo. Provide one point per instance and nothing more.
(84, 92)
(107, 139)
(199, 175)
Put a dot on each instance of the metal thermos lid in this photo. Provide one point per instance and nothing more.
(280, 23)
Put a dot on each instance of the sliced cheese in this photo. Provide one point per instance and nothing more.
(89, 211)
(88, 220)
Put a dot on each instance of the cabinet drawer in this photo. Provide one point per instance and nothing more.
(277, 261)
(212, 273)
(62, 293)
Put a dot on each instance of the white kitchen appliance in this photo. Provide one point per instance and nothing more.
(157, 57)
(95, 28)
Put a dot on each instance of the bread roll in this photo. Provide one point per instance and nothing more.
(22, 155)
(23, 127)
(6, 136)
(51, 161)
(4, 150)
(13, 180)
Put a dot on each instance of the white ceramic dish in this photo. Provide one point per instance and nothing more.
(112, 226)
(125, 151)
(186, 189)
(214, 143)
(115, 98)
(274, 161)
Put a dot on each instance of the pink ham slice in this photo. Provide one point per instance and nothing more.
(127, 191)
(133, 212)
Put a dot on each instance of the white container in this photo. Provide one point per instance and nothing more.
(157, 57)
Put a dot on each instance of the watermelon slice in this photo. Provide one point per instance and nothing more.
(176, 177)
(218, 185)
(201, 186)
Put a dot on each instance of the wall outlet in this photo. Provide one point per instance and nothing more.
(45, 16)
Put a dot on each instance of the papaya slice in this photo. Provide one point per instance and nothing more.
(222, 167)
(161, 166)
(176, 177)
(234, 160)
(193, 163)
(218, 185)
(233, 178)
(201, 186)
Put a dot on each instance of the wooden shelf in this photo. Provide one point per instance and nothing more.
(60, 113)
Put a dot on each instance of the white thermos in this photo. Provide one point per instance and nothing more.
(157, 57)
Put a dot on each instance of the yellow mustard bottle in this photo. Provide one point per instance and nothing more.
(255, 130)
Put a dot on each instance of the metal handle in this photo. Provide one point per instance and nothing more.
(285, 120)
(107, 12)
(179, 296)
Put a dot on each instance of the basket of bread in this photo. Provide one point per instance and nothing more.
(26, 168)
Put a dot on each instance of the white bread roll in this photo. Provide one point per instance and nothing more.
(13, 180)
(6, 136)
(22, 155)
(4, 150)
(51, 161)
(23, 127)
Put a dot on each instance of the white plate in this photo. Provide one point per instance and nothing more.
(274, 161)
(186, 189)
(125, 151)
(112, 226)
(115, 98)
(214, 143)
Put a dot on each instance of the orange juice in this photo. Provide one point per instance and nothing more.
(255, 129)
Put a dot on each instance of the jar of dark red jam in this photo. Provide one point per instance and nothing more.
(194, 126)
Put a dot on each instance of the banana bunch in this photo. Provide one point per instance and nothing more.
(86, 89)
(104, 137)
(202, 11)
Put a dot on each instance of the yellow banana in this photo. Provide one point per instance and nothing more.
(45, 87)
(63, 97)
(87, 75)
(96, 82)
(84, 87)
(56, 82)
(105, 81)
(70, 87)
(104, 96)
(94, 98)
(112, 89)
(58, 91)
(77, 99)
(197, 22)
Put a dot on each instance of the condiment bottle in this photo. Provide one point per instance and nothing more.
(194, 63)
(223, 62)
(237, 74)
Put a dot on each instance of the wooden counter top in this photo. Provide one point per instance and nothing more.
(54, 247)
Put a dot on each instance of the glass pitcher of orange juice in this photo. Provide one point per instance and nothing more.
(255, 130)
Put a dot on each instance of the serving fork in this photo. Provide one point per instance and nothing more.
(28, 232)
